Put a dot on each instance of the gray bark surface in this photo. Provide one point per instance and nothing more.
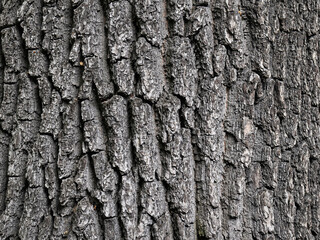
(159, 119)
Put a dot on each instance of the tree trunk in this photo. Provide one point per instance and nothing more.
(136, 119)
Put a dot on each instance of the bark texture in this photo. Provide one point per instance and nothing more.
(159, 119)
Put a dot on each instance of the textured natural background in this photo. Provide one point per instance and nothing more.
(159, 119)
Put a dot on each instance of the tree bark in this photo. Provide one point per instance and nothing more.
(159, 119)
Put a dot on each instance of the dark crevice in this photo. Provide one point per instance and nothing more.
(139, 197)
(2, 67)
(134, 158)
(115, 168)
(23, 47)
(100, 109)
(118, 205)
(4, 163)
(38, 99)
(105, 10)
(7, 26)
(97, 205)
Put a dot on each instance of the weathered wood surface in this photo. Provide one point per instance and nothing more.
(159, 119)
